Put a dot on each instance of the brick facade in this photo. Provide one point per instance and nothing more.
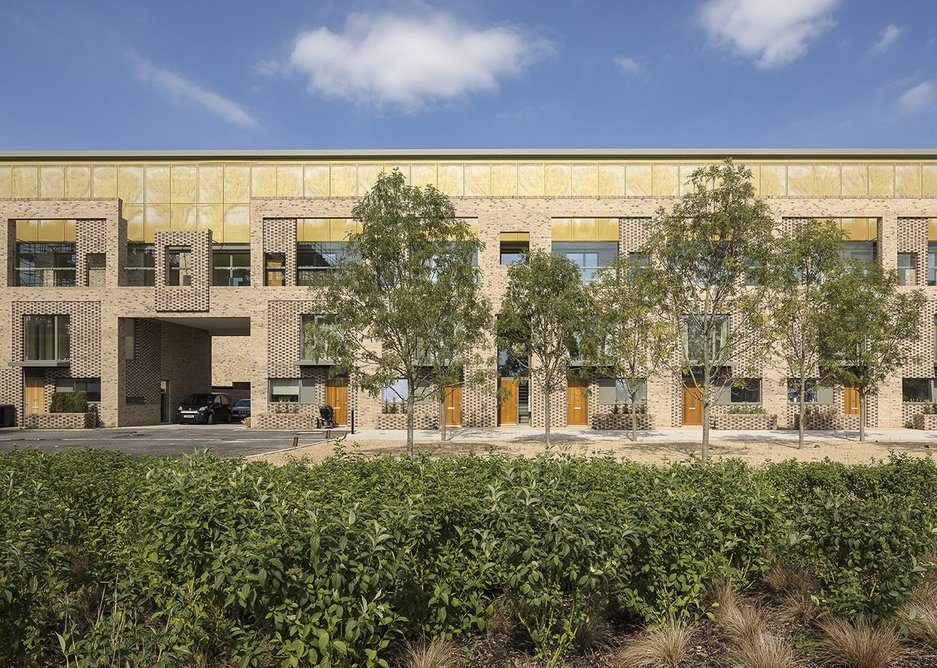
(178, 203)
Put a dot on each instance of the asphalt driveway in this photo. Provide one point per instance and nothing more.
(223, 440)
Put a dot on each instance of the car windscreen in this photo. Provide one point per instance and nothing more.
(243, 402)
(198, 399)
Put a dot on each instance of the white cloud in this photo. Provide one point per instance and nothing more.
(183, 89)
(410, 61)
(918, 98)
(773, 32)
(889, 36)
(628, 65)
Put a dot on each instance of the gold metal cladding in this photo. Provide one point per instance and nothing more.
(515, 236)
(45, 231)
(585, 229)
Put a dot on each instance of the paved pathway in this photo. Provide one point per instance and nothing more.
(225, 441)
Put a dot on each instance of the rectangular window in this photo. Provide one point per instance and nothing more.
(315, 259)
(814, 393)
(179, 265)
(44, 253)
(95, 269)
(90, 386)
(231, 265)
(141, 265)
(746, 391)
(590, 257)
(310, 325)
(907, 268)
(694, 332)
(46, 338)
(917, 389)
(514, 246)
(932, 262)
(638, 262)
(615, 391)
(275, 269)
(284, 390)
(863, 251)
(396, 392)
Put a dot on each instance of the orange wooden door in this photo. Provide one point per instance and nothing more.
(454, 405)
(577, 402)
(850, 401)
(35, 396)
(507, 401)
(336, 396)
(692, 405)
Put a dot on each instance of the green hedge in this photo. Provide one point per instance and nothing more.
(108, 560)
(69, 402)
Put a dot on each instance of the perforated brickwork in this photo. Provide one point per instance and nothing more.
(280, 237)
(284, 347)
(11, 390)
(142, 373)
(90, 237)
(911, 237)
(479, 401)
(196, 295)
(84, 332)
(537, 404)
(633, 233)
(923, 349)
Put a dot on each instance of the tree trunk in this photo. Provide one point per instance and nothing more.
(862, 410)
(442, 416)
(801, 412)
(705, 399)
(634, 418)
(546, 416)
(410, 425)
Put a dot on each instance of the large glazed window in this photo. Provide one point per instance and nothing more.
(694, 338)
(45, 338)
(589, 256)
(315, 259)
(44, 253)
(141, 265)
(231, 265)
(312, 325)
(179, 265)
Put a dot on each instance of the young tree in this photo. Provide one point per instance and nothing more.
(405, 291)
(542, 321)
(628, 337)
(804, 258)
(869, 327)
(712, 250)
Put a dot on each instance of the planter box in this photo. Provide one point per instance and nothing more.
(61, 420)
(620, 421)
(398, 421)
(823, 422)
(286, 421)
(925, 421)
(746, 422)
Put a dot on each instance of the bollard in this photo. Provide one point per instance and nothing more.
(295, 441)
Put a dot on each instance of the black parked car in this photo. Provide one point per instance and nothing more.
(241, 409)
(205, 407)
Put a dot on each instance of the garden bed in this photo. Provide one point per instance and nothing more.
(927, 421)
(827, 422)
(745, 422)
(85, 420)
(620, 421)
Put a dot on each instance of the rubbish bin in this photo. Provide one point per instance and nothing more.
(7, 415)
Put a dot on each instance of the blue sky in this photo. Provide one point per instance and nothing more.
(244, 74)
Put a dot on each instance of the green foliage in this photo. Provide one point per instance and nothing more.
(69, 402)
(712, 254)
(747, 410)
(109, 560)
(404, 300)
(543, 319)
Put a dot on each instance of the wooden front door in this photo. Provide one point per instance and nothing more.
(35, 395)
(850, 401)
(692, 405)
(453, 405)
(577, 402)
(507, 401)
(336, 396)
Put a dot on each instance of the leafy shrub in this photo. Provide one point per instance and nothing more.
(110, 560)
(69, 402)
